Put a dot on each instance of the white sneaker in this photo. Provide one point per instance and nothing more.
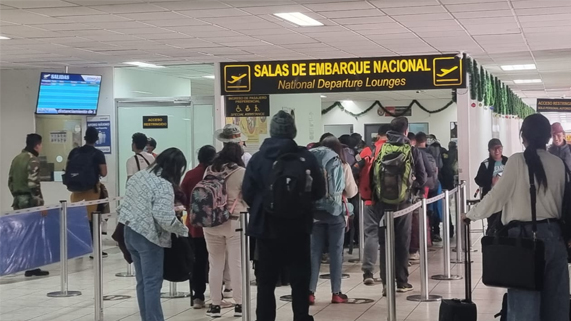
(414, 256)
(226, 305)
(198, 304)
(228, 294)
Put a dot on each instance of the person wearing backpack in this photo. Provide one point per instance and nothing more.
(399, 176)
(141, 159)
(85, 166)
(371, 218)
(331, 215)
(216, 204)
(281, 183)
(148, 214)
(206, 156)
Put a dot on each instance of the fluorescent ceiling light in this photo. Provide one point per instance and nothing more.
(347, 101)
(4, 38)
(527, 81)
(299, 19)
(518, 67)
(209, 76)
(142, 92)
(143, 64)
(323, 96)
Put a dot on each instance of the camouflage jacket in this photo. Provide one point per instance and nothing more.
(24, 181)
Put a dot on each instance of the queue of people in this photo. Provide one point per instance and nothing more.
(300, 205)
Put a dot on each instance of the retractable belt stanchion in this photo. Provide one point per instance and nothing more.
(64, 292)
(97, 262)
(245, 247)
(458, 227)
(129, 274)
(390, 265)
(424, 293)
(173, 292)
(446, 242)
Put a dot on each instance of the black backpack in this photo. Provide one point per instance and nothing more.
(80, 174)
(178, 259)
(289, 192)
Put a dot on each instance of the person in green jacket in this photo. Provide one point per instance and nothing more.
(24, 181)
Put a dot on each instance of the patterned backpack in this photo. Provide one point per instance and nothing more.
(209, 200)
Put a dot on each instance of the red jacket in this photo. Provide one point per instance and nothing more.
(192, 177)
(368, 152)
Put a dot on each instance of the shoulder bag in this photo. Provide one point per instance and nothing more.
(515, 262)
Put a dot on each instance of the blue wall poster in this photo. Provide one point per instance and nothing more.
(103, 125)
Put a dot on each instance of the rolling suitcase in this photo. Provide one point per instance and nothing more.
(456, 309)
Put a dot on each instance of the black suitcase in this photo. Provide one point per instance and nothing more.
(456, 309)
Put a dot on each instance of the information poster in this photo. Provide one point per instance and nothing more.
(103, 125)
(252, 127)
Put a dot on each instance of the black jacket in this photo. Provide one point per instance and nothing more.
(431, 173)
(256, 181)
(486, 173)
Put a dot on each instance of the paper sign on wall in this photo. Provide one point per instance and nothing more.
(103, 125)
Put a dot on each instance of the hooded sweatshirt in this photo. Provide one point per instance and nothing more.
(257, 181)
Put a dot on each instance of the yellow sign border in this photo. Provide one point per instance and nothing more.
(231, 90)
(434, 71)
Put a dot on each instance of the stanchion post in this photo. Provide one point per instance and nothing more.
(361, 218)
(245, 249)
(129, 274)
(97, 260)
(173, 292)
(64, 292)
(390, 265)
(458, 229)
(446, 242)
(424, 293)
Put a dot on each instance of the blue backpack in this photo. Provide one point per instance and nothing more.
(332, 169)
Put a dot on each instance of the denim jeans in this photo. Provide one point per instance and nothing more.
(334, 228)
(148, 260)
(371, 220)
(552, 303)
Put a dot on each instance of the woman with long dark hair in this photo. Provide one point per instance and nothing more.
(331, 215)
(224, 239)
(148, 214)
(512, 194)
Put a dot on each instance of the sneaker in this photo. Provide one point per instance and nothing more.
(214, 311)
(368, 278)
(404, 288)
(384, 290)
(36, 272)
(238, 311)
(226, 305)
(228, 294)
(414, 256)
(436, 238)
(339, 298)
(198, 304)
(311, 298)
(103, 254)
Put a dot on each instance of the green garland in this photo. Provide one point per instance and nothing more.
(490, 91)
(378, 103)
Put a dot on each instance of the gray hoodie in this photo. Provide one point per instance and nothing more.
(563, 152)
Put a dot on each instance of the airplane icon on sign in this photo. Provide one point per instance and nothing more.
(444, 72)
(235, 79)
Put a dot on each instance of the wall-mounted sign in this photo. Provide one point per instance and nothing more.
(553, 105)
(399, 110)
(103, 126)
(343, 75)
(248, 106)
(150, 122)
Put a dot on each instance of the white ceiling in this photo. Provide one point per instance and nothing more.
(54, 33)
(403, 96)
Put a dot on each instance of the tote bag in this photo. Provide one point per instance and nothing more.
(515, 262)
(178, 260)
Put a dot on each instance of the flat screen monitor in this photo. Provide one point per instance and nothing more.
(68, 94)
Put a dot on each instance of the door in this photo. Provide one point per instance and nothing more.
(338, 130)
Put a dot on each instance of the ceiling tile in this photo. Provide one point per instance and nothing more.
(147, 16)
(28, 4)
(339, 6)
(414, 10)
(67, 11)
(191, 5)
(26, 17)
(129, 8)
(93, 18)
(500, 5)
(366, 13)
(206, 13)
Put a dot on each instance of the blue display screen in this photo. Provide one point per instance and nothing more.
(68, 94)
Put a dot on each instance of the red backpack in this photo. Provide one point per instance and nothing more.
(366, 163)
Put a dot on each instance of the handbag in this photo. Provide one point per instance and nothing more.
(178, 260)
(515, 262)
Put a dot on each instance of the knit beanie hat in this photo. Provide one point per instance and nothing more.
(556, 128)
(283, 126)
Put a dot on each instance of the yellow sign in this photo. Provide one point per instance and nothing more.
(447, 71)
(237, 78)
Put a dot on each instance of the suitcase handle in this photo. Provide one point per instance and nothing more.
(467, 261)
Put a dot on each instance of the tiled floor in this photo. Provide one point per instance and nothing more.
(23, 299)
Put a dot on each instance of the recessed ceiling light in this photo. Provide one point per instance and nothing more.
(323, 96)
(518, 67)
(4, 38)
(347, 101)
(527, 81)
(209, 76)
(299, 19)
(143, 64)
